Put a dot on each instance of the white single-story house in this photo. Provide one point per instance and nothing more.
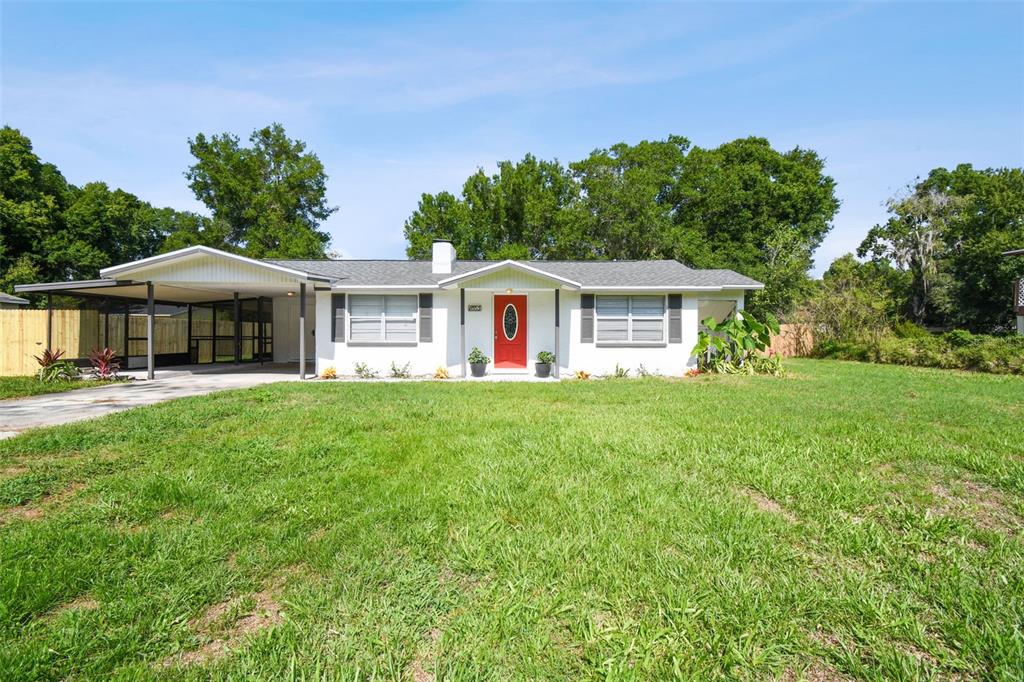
(592, 315)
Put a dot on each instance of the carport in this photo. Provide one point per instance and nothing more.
(229, 308)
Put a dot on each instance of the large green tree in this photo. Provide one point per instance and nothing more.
(989, 222)
(629, 197)
(948, 232)
(267, 199)
(52, 230)
(743, 205)
(915, 239)
(522, 211)
(748, 207)
(33, 196)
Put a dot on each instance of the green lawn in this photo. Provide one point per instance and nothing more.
(21, 387)
(847, 520)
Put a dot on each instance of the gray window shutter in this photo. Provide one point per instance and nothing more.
(586, 318)
(338, 317)
(426, 318)
(675, 318)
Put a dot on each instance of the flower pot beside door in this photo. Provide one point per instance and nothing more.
(478, 362)
(543, 365)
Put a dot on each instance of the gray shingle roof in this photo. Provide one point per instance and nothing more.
(667, 273)
(11, 300)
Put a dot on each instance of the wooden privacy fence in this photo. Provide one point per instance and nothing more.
(793, 340)
(77, 332)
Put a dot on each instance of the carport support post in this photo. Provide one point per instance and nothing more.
(49, 321)
(238, 330)
(302, 330)
(150, 313)
(462, 328)
(558, 332)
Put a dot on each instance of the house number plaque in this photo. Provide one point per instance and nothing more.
(475, 308)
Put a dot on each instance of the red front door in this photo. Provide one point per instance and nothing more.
(510, 332)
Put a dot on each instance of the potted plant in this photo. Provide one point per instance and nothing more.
(544, 362)
(478, 362)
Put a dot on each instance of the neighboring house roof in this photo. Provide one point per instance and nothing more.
(587, 274)
(11, 300)
(1014, 252)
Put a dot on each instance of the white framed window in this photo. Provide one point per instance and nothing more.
(630, 320)
(382, 318)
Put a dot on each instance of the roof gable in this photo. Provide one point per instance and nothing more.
(509, 272)
(202, 263)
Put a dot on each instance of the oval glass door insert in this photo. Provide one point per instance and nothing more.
(510, 321)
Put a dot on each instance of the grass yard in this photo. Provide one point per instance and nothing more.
(21, 387)
(849, 520)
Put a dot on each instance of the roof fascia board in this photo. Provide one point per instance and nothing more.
(80, 284)
(341, 286)
(675, 288)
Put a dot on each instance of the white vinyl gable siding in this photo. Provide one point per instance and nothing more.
(375, 318)
(622, 319)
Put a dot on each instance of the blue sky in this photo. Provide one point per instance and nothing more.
(400, 99)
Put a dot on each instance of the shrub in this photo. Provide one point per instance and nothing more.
(441, 373)
(546, 357)
(400, 372)
(954, 350)
(105, 363)
(477, 357)
(53, 368)
(329, 373)
(770, 364)
(363, 371)
(909, 330)
(961, 338)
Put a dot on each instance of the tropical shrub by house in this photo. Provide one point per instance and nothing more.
(53, 368)
(105, 363)
(737, 345)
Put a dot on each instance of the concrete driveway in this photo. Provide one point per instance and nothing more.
(19, 414)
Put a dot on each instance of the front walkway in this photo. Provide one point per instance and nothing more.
(53, 409)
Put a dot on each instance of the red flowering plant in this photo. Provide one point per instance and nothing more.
(105, 363)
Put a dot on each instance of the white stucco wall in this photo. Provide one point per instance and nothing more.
(672, 358)
(540, 323)
(423, 358)
(573, 355)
